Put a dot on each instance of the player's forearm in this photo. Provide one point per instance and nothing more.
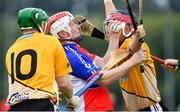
(113, 44)
(134, 45)
(109, 6)
(116, 73)
(65, 86)
(67, 92)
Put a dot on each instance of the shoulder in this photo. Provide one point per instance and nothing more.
(70, 51)
(51, 38)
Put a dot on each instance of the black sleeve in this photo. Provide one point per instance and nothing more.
(178, 64)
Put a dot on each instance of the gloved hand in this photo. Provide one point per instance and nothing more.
(73, 102)
(88, 29)
(118, 26)
(115, 26)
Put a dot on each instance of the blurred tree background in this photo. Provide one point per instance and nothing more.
(161, 21)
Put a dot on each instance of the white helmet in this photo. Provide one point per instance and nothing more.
(61, 22)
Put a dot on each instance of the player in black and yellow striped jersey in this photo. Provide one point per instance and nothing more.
(139, 90)
(34, 62)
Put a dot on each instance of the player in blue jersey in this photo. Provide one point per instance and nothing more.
(64, 26)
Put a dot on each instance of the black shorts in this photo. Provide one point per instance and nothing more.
(33, 105)
(156, 107)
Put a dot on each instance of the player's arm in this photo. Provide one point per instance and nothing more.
(117, 72)
(109, 6)
(171, 64)
(62, 68)
(113, 44)
(134, 44)
(65, 86)
(113, 37)
(66, 89)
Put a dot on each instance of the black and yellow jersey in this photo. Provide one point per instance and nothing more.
(140, 89)
(32, 63)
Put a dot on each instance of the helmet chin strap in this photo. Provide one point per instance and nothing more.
(123, 30)
(45, 28)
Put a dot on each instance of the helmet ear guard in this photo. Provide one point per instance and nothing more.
(124, 32)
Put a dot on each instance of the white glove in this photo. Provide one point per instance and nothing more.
(115, 26)
(73, 102)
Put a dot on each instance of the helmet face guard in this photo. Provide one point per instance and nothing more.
(124, 19)
(31, 18)
(63, 22)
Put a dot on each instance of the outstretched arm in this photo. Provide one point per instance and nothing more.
(105, 77)
(109, 6)
(117, 72)
(113, 44)
(113, 37)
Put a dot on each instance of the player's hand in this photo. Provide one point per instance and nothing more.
(73, 102)
(171, 64)
(115, 26)
(138, 57)
(113, 30)
(140, 32)
(107, 1)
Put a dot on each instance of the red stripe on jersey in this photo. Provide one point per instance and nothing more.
(92, 76)
(92, 56)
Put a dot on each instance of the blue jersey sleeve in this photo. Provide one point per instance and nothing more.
(82, 65)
